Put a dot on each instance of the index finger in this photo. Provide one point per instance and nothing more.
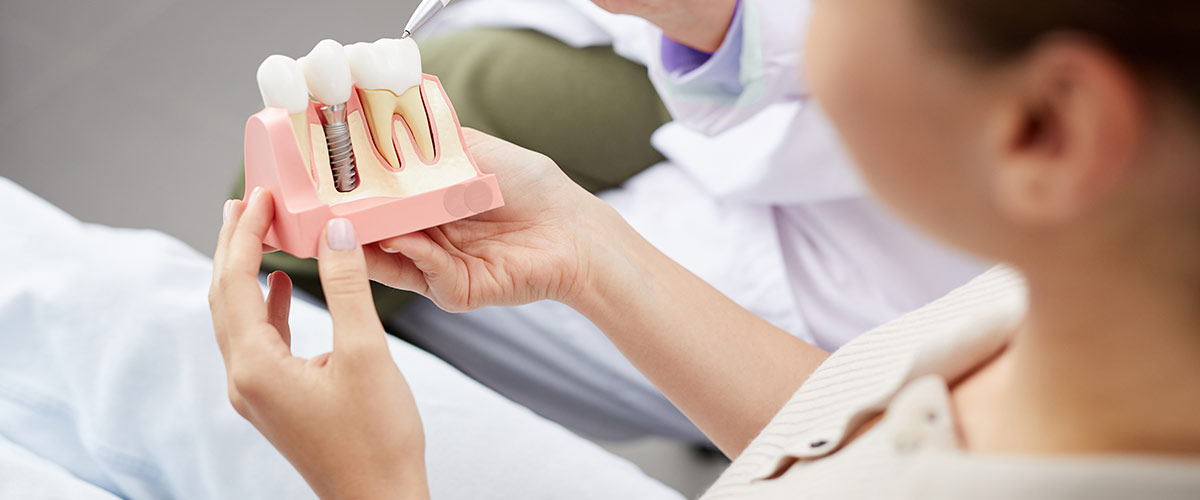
(230, 214)
(241, 298)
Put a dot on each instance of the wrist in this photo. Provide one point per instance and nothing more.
(702, 28)
(403, 481)
(387, 490)
(607, 253)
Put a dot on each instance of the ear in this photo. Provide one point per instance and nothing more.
(1069, 133)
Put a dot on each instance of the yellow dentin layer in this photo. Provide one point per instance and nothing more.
(381, 106)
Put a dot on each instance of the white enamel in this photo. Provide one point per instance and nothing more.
(387, 64)
(327, 72)
(282, 84)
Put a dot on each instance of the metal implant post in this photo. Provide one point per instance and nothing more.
(341, 151)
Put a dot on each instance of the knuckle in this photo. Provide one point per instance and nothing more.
(247, 384)
(544, 160)
(239, 404)
(343, 280)
(216, 291)
(224, 277)
(365, 358)
(356, 358)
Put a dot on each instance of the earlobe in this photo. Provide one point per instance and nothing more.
(1031, 145)
(1072, 134)
(1028, 197)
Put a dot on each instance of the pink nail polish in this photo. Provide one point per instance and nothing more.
(340, 233)
(226, 210)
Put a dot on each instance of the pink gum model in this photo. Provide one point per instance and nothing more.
(273, 161)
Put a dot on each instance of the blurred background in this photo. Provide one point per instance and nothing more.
(130, 113)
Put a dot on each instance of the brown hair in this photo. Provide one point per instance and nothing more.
(1158, 39)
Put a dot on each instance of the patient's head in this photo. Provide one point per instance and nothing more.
(1039, 132)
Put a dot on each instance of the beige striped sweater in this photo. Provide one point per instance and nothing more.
(901, 368)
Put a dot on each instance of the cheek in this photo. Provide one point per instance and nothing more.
(890, 113)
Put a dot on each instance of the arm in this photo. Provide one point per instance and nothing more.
(726, 369)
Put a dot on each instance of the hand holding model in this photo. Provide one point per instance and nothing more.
(345, 419)
(539, 246)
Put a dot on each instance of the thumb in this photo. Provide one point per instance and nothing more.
(343, 271)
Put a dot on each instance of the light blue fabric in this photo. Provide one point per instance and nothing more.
(110, 370)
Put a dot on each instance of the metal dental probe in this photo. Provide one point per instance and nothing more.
(425, 11)
(341, 151)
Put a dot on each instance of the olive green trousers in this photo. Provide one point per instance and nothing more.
(589, 110)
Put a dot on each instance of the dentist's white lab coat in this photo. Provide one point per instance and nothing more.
(757, 197)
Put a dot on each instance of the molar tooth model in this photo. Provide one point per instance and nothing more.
(391, 157)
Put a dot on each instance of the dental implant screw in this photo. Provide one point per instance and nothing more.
(341, 151)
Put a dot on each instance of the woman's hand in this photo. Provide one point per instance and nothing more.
(539, 245)
(700, 24)
(345, 419)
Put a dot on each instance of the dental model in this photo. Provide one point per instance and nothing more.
(328, 75)
(378, 143)
(388, 73)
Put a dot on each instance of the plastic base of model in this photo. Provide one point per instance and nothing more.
(275, 160)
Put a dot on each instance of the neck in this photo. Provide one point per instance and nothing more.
(1105, 362)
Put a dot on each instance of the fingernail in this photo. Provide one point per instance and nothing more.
(340, 233)
(228, 209)
(255, 193)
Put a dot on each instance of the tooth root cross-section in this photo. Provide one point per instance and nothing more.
(381, 106)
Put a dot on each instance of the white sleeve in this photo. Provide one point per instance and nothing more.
(756, 67)
(787, 153)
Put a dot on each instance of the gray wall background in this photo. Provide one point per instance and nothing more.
(130, 113)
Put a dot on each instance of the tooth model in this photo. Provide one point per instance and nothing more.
(408, 167)
(328, 76)
(281, 82)
(388, 73)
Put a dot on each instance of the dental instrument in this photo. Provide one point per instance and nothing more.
(425, 11)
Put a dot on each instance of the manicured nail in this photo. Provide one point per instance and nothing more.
(255, 193)
(228, 209)
(340, 233)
